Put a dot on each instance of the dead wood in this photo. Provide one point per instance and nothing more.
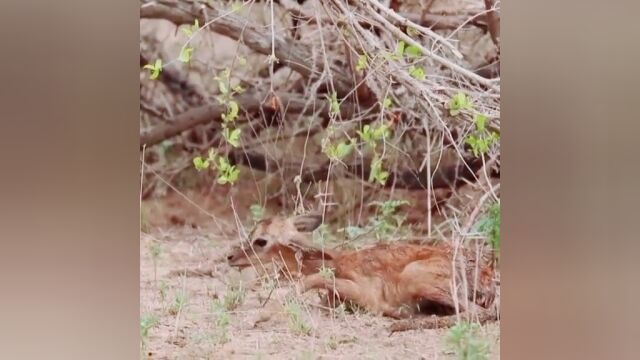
(438, 322)
(248, 102)
(298, 57)
(493, 22)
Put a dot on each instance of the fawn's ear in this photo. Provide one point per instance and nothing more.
(307, 223)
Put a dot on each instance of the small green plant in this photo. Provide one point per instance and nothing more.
(338, 151)
(377, 174)
(465, 341)
(231, 136)
(481, 140)
(186, 52)
(334, 105)
(147, 322)
(372, 135)
(413, 51)
(354, 232)
(387, 102)
(459, 102)
(162, 288)
(234, 297)
(387, 221)
(417, 73)
(296, 319)
(323, 235)
(180, 301)
(327, 273)
(227, 173)
(257, 212)
(222, 321)
(490, 225)
(189, 30)
(362, 62)
(154, 69)
(155, 249)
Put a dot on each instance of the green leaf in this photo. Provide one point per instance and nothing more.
(190, 30)
(399, 49)
(459, 102)
(382, 131)
(236, 6)
(339, 151)
(232, 112)
(386, 103)
(413, 51)
(377, 174)
(334, 105)
(185, 54)
(417, 73)
(155, 69)
(227, 173)
(200, 164)
(223, 87)
(238, 89)
(480, 120)
(362, 62)
(257, 212)
(232, 137)
(242, 60)
(412, 31)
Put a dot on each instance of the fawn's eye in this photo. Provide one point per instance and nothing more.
(260, 242)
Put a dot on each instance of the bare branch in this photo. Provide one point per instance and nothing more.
(298, 58)
(249, 102)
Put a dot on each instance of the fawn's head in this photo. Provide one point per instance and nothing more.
(279, 239)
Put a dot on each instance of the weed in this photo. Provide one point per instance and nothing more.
(490, 225)
(155, 249)
(179, 302)
(147, 322)
(234, 297)
(162, 288)
(387, 221)
(296, 320)
(257, 212)
(327, 273)
(222, 321)
(465, 341)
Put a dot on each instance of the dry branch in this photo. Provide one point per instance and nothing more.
(298, 57)
(494, 22)
(249, 102)
(436, 322)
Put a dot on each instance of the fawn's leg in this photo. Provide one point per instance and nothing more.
(348, 290)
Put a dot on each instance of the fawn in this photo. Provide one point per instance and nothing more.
(397, 281)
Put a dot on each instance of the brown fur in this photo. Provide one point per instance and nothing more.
(397, 280)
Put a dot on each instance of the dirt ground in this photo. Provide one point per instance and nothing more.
(183, 274)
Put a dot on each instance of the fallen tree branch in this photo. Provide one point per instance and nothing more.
(298, 58)
(494, 22)
(439, 322)
(249, 102)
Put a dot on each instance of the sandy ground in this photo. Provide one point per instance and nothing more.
(180, 286)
